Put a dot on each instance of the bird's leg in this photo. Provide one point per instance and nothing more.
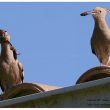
(101, 64)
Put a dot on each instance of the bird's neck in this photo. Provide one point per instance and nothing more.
(6, 52)
(101, 24)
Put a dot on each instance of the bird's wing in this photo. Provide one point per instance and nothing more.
(21, 71)
(2, 88)
(92, 46)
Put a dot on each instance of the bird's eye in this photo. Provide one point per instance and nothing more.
(100, 11)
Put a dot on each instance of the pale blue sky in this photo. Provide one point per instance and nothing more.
(53, 39)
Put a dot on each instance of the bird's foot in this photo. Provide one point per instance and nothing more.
(104, 65)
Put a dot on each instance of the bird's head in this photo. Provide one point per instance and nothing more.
(97, 12)
(4, 37)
